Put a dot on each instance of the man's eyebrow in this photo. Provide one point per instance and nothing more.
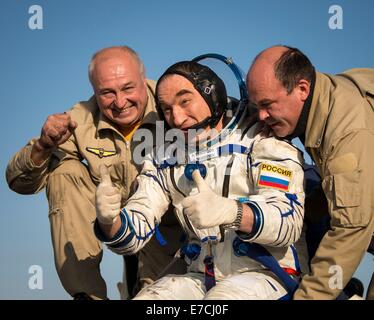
(178, 94)
(182, 92)
(127, 84)
(105, 90)
(161, 103)
(264, 101)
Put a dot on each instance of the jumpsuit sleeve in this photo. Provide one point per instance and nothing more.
(349, 188)
(276, 169)
(24, 177)
(141, 215)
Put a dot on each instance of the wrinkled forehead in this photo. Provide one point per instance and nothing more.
(111, 67)
(116, 65)
(172, 86)
(262, 82)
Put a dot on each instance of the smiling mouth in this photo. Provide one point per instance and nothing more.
(123, 110)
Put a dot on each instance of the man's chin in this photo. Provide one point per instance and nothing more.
(279, 131)
(130, 120)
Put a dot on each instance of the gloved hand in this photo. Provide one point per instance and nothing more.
(108, 199)
(206, 209)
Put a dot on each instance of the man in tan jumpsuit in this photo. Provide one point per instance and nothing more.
(66, 157)
(334, 118)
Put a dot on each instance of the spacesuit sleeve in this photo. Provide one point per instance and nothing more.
(277, 175)
(141, 215)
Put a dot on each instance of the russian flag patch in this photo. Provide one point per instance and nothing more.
(276, 177)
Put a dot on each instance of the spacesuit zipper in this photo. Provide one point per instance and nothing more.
(226, 190)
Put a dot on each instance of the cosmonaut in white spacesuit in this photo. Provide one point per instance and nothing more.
(239, 196)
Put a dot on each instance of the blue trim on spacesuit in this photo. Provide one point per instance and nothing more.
(123, 242)
(119, 234)
(231, 148)
(262, 256)
(280, 227)
(162, 180)
(285, 297)
(296, 257)
(209, 238)
(288, 213)
(226, 149)
(292, 199)
(258, 222)
(271, 285)
(158, 235)
(154, 178)
(191, 250)
(161, 240)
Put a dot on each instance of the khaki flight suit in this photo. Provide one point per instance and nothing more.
(70, 176)
(340, 138)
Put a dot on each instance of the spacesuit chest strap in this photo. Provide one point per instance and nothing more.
(262, 256)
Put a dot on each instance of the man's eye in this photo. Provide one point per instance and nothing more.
(106, 94)
(185, 101)
(128, 89)
(166, 110)
(265, 104)
(252, 105)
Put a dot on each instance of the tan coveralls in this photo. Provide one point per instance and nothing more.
(70, 176)
(340, 138)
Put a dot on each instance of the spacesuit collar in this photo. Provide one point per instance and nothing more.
(231, 119)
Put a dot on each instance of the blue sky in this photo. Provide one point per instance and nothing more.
(45, 71)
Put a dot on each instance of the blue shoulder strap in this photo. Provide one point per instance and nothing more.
(261, 255)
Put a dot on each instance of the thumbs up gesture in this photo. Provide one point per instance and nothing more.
(206, 209)
(108, 199)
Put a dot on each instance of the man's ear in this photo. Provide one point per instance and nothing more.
(144, 80)
(144, 77)
(303, 89)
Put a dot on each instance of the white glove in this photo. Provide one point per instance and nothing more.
(108, 199)
(206, 209)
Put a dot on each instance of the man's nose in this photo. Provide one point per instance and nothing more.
(120, 100)
(178, 117)
(263, 114)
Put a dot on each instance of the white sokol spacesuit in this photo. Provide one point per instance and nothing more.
(241, 163)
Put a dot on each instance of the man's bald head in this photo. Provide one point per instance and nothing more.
(286, 64)
(270, 55)
(278, 83)
(116, 52)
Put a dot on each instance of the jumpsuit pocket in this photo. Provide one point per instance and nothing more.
(70, 194)
(347, 193)
(343, 195)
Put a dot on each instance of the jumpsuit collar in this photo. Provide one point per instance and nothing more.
(319, 111)
(303, 119)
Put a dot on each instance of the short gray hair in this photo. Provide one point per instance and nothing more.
(125, 49)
